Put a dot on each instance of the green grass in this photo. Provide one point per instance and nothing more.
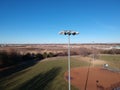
(112, 60)
(45, 75)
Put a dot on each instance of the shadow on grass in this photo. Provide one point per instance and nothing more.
(40, 81)
(17, 68)
(5, 81)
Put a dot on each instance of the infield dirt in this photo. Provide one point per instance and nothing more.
(98, 78)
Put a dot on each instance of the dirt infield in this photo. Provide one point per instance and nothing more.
(98, 78)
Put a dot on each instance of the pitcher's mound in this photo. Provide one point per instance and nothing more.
(98, 78)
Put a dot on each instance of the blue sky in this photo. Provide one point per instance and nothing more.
(39, 21)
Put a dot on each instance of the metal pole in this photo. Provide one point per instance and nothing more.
(65, 32)
(69, 88)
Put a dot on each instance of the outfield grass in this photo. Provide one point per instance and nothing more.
(45, 75)
(112, 60)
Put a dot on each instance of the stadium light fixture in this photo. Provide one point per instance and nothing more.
(68, 32)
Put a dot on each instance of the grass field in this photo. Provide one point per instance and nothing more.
(112, 60)
(49, 73)
(45, 75)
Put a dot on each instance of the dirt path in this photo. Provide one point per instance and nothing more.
(105, 79)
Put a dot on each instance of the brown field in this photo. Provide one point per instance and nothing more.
(107, 80)
(54, 48)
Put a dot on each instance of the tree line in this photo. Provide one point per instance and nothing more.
(14, 58)
(111, 51)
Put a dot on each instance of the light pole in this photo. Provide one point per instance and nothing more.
(68, 32)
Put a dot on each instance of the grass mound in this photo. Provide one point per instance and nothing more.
(45, 75)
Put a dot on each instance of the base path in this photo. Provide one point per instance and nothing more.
(92, 78)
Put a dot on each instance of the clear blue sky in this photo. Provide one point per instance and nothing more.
(39, 21)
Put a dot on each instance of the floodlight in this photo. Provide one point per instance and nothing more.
(68, 32)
